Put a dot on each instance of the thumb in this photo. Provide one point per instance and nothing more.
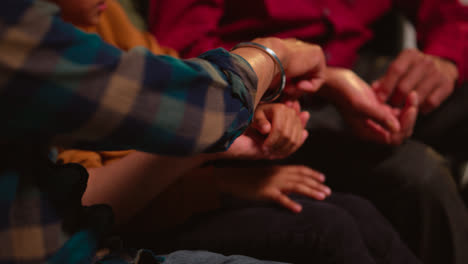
(304, 116)
(384, 116)
(261, 123)
(309, 86)
(379, 92)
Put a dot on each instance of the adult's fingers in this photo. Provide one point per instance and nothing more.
(374, 132)
(436, 98)
(382, 115)
(396, 71)
(427, 86)
(310, 86)
(407, 119)
(416, 72)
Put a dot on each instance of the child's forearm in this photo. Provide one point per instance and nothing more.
(129, 184)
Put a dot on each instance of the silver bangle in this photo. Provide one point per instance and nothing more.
(270, 97)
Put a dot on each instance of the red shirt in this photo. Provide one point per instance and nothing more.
(340, 26)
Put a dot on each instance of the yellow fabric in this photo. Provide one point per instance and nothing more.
(115, 28)
(187, 196)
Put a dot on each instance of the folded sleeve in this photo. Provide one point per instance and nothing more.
(62, 84)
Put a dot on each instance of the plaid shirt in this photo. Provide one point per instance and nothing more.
(60, 85)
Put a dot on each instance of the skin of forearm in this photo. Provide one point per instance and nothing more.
(263, 65)
(129, 184)
(227, 180)
(329, 88)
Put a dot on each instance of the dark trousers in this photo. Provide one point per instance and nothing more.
(446, 129)
(412, 185)
(342, 229)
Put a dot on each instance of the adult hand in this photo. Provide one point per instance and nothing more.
(369, 118)
(276, 132)
(274, 183)
(304, 64)
(406, 116)
(433, 79)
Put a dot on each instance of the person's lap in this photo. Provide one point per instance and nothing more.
(446, 128)
(343, 229)
(410, 184)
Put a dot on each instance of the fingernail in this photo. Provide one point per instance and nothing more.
(322, 177)
(395, 126)
(297, 208)
(327, 190)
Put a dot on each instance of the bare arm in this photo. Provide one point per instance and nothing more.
(129, 184)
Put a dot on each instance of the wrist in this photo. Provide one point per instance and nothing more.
(277, 45)
(330, 87)
(274, 83)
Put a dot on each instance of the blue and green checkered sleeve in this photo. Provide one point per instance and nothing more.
(71, 87)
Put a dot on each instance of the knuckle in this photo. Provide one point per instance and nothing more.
(283, 134)
(412, 51)
(303, 169)
(276, 196)
(404, 87)
(450, 88)
(431, 68)
(432, 102)
(396, 68)
(296, 186)
(316, 48)
(280, 107)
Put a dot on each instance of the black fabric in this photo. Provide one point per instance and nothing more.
(342, 229)
(412, 185)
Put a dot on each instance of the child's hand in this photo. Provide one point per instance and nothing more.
(283, 128)
(277, 131)
(274, 183)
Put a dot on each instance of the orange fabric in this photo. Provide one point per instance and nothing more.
(90, 159)
(190, 194)
(115, 28)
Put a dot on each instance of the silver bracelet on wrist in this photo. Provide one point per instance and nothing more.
(272, 96)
